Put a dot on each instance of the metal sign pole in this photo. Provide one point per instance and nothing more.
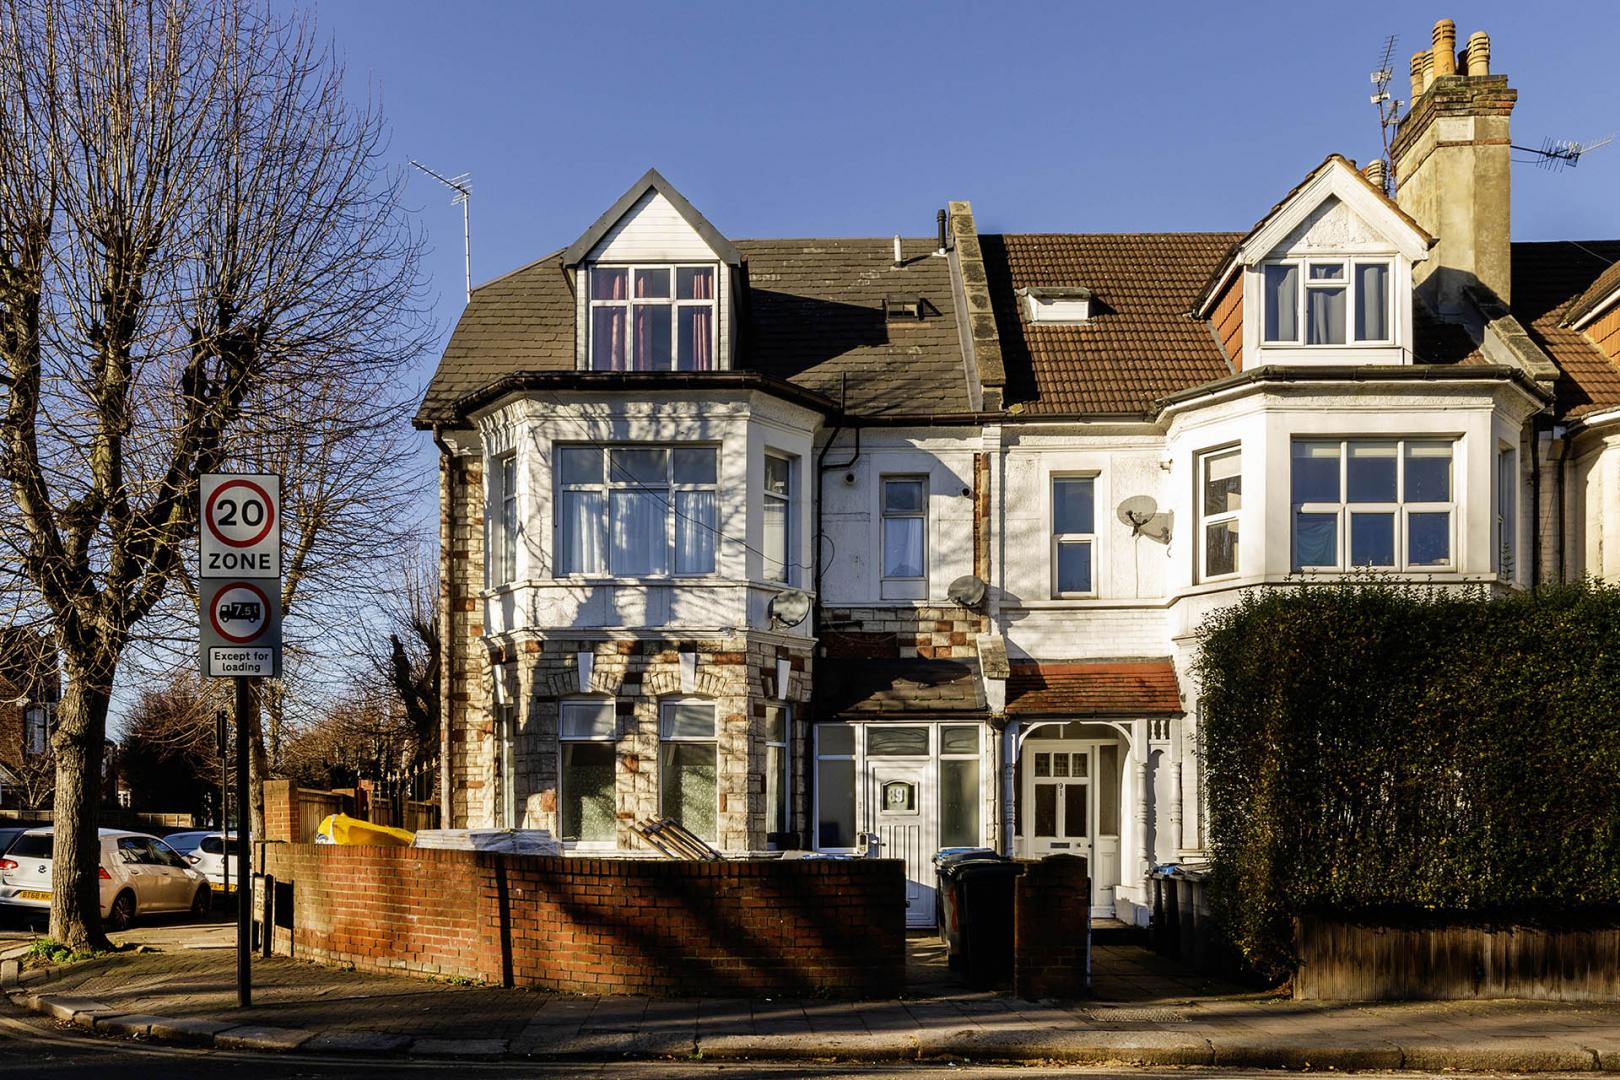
(244, 877)
(223, 746)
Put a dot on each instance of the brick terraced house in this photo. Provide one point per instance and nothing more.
(814, 543)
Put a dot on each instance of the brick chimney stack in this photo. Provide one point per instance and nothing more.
(1452, 168)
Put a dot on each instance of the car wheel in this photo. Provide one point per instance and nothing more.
(201, 902)
(122, 913)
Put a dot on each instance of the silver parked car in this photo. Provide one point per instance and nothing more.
(140, 875)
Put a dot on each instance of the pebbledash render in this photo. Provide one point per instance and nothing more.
(904, 544)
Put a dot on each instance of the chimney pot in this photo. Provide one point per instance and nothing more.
(1445, 48)
(1417, 75)
(1374, 172)
(1479, 53)
(1428, 69)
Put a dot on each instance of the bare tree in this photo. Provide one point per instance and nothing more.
(194, 223)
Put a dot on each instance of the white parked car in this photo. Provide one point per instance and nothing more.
(211, 858)
(185, 842)
(140, 875)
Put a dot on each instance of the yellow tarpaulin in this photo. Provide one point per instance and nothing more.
(343, 829)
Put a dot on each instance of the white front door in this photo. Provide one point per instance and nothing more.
(1059, 807)
(900, 807)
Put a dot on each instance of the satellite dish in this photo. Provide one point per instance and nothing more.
(1142, 514)
(967, 590)
(789, 608)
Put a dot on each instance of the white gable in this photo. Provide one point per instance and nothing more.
(652, 231)
(1332, 226)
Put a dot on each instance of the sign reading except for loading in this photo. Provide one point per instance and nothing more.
(239, 582)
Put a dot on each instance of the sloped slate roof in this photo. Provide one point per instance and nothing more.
(1548, 278)
(866, 687)
(813, 315)
(1140, 344)
(1094, 688)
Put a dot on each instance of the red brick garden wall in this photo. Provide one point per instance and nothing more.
(600, 926)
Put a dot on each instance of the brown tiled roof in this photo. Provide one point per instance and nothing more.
(1093, 688)
(865, 687)
(1140, 343)
(1548, 278)
(1606, 285)
(813, 316)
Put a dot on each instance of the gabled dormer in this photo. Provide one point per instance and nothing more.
(654, 285)
(1324, 278)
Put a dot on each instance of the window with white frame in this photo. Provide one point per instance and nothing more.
(586, 731)
(778, 769)
(652, 318)
(505, 767)
(835, 787)
(1327, 301)
(637, 511)
(36, 728)
(905, 528)
(1220, 486)
(1074, 526)
(688, 759)
(1507, 521)
(780, 557)
(959, 793)
(505, 524)
(1382, 503)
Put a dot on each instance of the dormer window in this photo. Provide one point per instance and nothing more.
(1327, 302)
(1057, 305)
(652, 318)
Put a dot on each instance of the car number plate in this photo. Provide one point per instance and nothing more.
(33, 894)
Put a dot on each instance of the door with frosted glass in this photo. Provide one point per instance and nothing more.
(1058, 802)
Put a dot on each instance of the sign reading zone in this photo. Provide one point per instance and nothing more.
(239, 581)
(241, 526)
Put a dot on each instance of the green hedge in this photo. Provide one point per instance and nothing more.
(1399, 753)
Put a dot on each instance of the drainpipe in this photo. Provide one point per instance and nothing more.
(1559, 432)
(1535, 504)
(447, 814)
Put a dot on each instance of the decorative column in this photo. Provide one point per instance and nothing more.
(1175, 789)
(1139, 752)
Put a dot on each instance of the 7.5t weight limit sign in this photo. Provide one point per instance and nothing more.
(239, 632)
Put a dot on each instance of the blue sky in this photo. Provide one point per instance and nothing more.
(845, 119)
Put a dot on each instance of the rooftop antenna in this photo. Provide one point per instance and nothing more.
(463, 194)
(1389, 110)
(1556, 154)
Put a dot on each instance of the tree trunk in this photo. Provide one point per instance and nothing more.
(258, 691)
(79, 743)
(274, 704)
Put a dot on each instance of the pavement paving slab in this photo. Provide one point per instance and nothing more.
(357, 1042)
(135, 1025)
(472, 1049)
(188, 1030)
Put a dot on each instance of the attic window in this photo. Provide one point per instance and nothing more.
(899, 307)
(1057, 305)
(652, 318)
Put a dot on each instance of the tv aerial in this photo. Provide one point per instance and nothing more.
(462, 186)
(1389, 109)
(1556, 154)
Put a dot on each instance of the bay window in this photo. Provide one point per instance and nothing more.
(1507, 520)
(1220, 484)
(778, 510)
(652, 318)
(1326, 301)
(586, 731)
(504, 524)
(778, 769)
(1073, 534)
(1382, 503)
(688, 758)
(637, 511)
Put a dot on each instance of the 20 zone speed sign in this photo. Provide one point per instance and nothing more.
(241, 526)
(239, 582)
